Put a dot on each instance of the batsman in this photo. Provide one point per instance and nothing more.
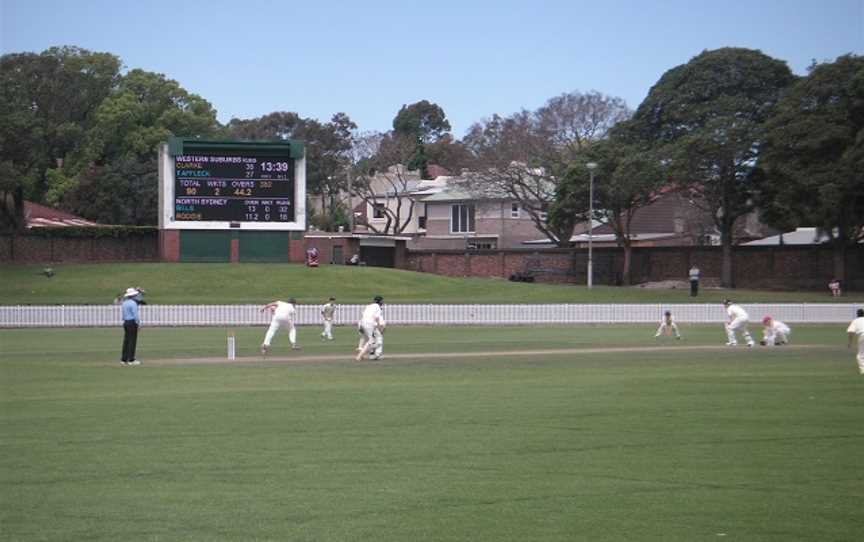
(371, 327)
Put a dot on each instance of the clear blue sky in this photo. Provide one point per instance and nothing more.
(473, 58)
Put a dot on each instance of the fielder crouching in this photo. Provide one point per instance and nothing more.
(776, 333)
(371, 328)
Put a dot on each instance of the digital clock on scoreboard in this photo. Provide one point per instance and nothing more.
(242, 187)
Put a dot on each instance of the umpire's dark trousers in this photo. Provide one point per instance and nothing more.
(130, 339)
(694, 288)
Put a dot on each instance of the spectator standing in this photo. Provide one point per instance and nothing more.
(834, 286)
(694, 281)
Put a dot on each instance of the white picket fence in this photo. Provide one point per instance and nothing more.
(250, 315)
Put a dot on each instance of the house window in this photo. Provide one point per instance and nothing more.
(514, 210)
(482, 244)
(461, 218)
(378, 210)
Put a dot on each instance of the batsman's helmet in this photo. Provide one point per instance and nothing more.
(766, 319)
(378, 299)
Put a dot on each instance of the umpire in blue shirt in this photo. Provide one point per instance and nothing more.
(131, 322)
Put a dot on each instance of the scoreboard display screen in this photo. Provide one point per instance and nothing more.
(243, 187)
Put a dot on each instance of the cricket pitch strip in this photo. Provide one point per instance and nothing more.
(298, 359)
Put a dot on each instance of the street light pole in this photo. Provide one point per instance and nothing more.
(591, 167)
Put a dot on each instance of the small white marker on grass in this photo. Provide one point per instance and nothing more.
(232, 346)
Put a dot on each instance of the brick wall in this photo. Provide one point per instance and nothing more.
(325, 244)
(787, 267)
(169, 245)
(38, 249)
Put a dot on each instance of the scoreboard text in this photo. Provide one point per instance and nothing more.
(234, 188)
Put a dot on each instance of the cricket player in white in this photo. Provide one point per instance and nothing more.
(371, 329)
(668, 326)
(327, 312)
(738, 320)
(856, 329)
(775, 332)
(283, 316)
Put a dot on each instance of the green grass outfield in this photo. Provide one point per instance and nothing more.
(670, 443)
(213, 284)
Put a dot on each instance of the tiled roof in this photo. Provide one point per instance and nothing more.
(41, 216)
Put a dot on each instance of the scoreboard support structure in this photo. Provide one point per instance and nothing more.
(229, 201)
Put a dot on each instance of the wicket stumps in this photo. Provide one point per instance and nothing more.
(232, 346)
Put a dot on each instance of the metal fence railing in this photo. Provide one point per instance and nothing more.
(250, 315)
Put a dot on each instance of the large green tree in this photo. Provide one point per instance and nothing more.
(276, 125)
(420, 124)
(121, 145)
(707, 120)
(813, 156)
(47, 105)
(422, 120)
(625, 180)
(328, 154)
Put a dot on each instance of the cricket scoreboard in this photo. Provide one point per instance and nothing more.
(232, 184)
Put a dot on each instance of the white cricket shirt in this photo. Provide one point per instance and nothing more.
(371, 314)
(857, 327)
(735, 312)
(284, 311)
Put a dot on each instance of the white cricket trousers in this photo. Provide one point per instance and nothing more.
(275, 324)
(372, 340)
(663, 326)
(328, 329)
(738, 324)
(860, 356)
(773, 338)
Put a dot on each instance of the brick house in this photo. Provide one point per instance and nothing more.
(456, 218)
(396, 195)
(440, 213)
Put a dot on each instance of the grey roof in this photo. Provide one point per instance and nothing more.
(801, 236)
(605, 237)
(451, 193)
